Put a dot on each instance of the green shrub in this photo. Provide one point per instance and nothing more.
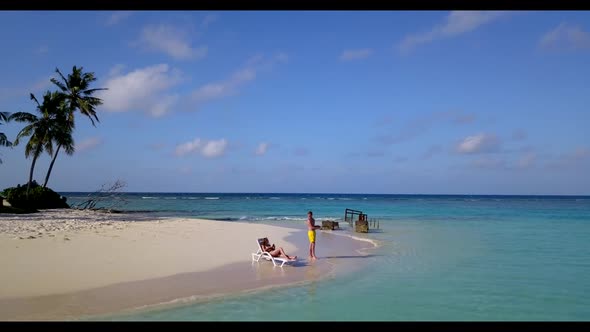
(39, 198)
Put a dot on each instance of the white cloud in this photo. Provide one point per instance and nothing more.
(117, 17)
(567, 37)
(116, 70)
(457, 23)
(214, 149)
(229, 86)
(210, 18)
(171, 41)
(261, 149)
(208, 149)
(163, 105)
(527, 160)
(88, 144)
(356, 54)
(141, 89)
(244, 75)
(223, 88)
(188, 147)
(480, 143)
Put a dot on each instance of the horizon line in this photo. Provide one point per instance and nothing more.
(323, 193)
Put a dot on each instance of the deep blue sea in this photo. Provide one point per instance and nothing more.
(441, 257)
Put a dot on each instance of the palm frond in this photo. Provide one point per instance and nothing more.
(32, 96)
(63, 78)
(30, 149)
(67, 143)
(69, 149)
(5, 116)
(4, 140)
(75, 94)
(26, 131)
(23, 117)
(89, 92)
(48, 147)
(59, 84)
(93, 100)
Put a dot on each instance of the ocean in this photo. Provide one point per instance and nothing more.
(440, 257)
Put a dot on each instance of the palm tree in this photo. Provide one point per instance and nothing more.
(4, 117)
(40, 128)
(77, 95)
(76, 90)
(61, 135)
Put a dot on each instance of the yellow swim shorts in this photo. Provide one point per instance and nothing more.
(311, 236)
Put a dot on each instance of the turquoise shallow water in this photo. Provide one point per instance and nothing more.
(441, 258)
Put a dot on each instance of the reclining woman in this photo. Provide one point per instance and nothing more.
(275, 252)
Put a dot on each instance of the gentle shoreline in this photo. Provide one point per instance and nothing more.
(83, 263)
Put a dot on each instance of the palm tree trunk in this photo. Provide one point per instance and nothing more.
(51, 166)
(31, 174)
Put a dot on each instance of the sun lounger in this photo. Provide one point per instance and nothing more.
(276, 261)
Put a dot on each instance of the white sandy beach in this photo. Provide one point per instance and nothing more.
(63, 264)
(76, 250)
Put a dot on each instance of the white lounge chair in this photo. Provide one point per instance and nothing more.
(263, 254)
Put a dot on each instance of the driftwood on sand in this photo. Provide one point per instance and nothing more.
(108, 199)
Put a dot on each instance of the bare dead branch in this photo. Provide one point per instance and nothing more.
(110, 198)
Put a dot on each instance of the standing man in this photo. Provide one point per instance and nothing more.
(311, 227)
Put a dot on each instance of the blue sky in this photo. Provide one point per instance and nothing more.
(428, 102)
